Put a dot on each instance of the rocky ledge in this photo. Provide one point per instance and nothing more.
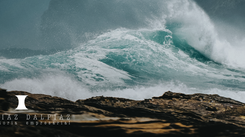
(172, 114)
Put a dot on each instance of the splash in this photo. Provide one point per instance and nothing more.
(172, 45)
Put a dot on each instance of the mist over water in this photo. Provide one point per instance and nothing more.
(131, 48)
(20, 23)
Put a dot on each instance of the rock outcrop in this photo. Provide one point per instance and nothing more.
(172, 114)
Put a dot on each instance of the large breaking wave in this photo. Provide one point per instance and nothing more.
(176, 47)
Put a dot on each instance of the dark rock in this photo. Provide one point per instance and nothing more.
(3, 92)
(192, 115)
(4, 105)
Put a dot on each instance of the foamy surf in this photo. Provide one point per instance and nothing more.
(176, 48)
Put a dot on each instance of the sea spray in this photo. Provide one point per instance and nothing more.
(173, 45)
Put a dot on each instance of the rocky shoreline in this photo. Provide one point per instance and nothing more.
(172, 114)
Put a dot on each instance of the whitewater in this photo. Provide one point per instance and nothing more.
(176, 47)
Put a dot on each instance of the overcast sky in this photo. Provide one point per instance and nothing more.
(20, 19)
(19, 22)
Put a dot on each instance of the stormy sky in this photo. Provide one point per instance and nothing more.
(20, 21)
(38, 24)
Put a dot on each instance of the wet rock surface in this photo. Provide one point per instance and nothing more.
(172, 114)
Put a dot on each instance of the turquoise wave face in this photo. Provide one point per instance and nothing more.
(125, 58)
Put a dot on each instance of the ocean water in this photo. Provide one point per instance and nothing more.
(175, 48)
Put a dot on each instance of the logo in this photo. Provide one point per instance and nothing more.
(33, 119)
(21, 100)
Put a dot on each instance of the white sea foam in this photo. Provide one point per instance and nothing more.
(7, 63)
(200, 32)
(85, 60)
(56, 85)
(73, 90)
